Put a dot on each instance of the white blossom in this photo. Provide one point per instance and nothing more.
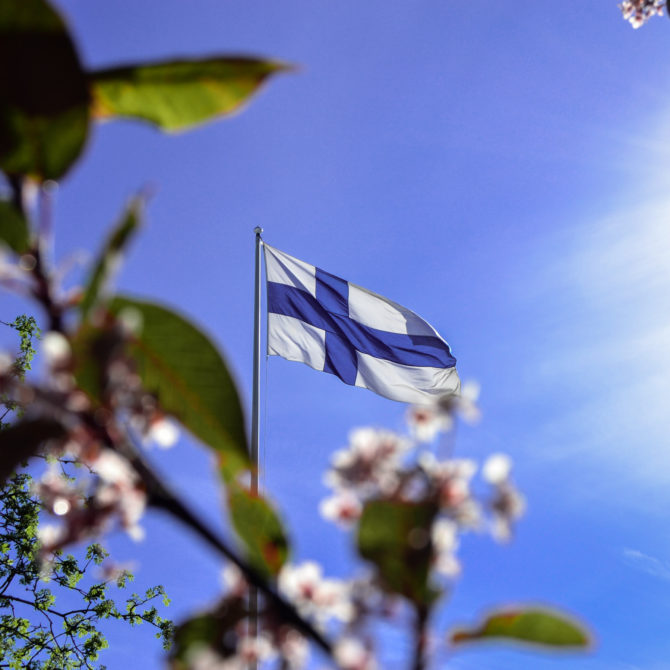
(164, 432)
(343, 507)
(444, 535)
(49, 535)
(497, 468)
(638, 12)
(315, 596)
(55, 348)
(294, 649)
(61, 506)
(233, 580)
(351, 654)
(255, 649)
(370, 462)
(426, 422)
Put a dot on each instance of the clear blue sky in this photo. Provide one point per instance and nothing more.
(499, 168)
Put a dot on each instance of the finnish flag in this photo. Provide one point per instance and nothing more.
(366, 340)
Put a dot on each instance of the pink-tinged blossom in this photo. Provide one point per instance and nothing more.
(638, 12)
(128, 502)
(113, 469)
(77, 401)
(508, 506)
(57, 494)
(427, 422)
(255, 650)
(117, 494)
(369, 463)
(294, 649)
(451, 478)
(117, 572)
(205, 658)
(343, 507)
(314, 596)
(6, 363)
(351, 654)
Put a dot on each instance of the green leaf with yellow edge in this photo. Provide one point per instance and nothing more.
(45, 102)
(110, 255)
(531, 625)
(13, 228)
(259, 527)
(22, 440)
(395, 536)
(180, 366)
(176, 95)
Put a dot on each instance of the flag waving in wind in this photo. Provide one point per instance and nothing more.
(366, 340)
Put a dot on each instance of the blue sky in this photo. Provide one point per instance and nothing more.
(499, 169)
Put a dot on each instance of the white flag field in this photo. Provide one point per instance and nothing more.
(364, 339)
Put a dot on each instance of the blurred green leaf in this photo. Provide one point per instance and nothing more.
(258, 525)
(178, 94)
(395, 536)
(22, 440)
(110, 255)
(531, 626)
(181, 367)
(92, 346)
(44, 106)
(207, 630)
(13, 228)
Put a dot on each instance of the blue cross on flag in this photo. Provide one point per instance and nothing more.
(366, 340)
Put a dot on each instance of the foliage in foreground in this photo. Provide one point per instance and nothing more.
(35, 630)
(123, 370)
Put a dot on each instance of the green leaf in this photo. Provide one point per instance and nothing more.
(180, 366)
(259, 527)
(22, 440)
(395, 536)
(108, 260)
(44, 107)
(178, 94)
(531, 625)
(207, 630)
(13, 228)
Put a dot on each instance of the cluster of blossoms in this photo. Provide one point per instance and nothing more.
(376, 465)
(638, 12)
(322, 601)
(382, 465)
(108, 489)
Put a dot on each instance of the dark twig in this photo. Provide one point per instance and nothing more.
(420, 645)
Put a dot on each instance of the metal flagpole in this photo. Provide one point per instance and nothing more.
(255, 415)
(255, 399)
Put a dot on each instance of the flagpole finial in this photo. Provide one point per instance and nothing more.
(258, 230)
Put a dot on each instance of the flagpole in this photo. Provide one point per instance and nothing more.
(255, 416)
(256, 388)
